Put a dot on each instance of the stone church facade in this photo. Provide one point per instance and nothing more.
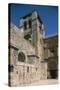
(27, 63)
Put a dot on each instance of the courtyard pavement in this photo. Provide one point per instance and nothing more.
(46, 82)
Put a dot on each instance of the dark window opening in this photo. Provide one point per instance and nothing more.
(30, 24)
(25, 25)
(53, 74)
(41, 31)
(40, 27)
(27, 36)
(21, 57)
(27, 69)
(36, 69)
(52, 50)
(17, 72)
(10, 68)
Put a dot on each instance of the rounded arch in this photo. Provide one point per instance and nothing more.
(21, 56)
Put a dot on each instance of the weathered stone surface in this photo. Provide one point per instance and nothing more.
(33, 68)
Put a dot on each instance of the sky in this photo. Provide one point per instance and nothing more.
(48, 15)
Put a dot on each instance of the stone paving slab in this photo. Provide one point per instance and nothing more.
(46, 82)
(43, 82)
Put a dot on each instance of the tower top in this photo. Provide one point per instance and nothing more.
(30, 14)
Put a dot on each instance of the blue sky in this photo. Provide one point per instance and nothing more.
(48, 15)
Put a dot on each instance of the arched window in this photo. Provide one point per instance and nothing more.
(21, 57)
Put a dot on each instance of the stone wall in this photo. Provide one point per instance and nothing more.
(25, 72)
(20, 75)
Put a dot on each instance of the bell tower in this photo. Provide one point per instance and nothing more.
(33, 31)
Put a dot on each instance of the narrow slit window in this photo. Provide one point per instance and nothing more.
(30, 24)
(27, 69)
(25, 25)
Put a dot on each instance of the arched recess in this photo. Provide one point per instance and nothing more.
(21, 57)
